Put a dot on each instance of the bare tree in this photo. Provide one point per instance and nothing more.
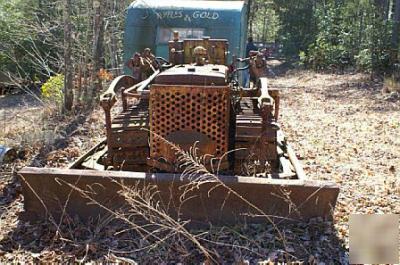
(68, 67)
(98, 40)
(395, 29)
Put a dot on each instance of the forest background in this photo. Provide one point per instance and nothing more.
(68, 48)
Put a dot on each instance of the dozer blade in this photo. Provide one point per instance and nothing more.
(223, 201)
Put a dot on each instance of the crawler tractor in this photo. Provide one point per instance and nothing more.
(182, 118)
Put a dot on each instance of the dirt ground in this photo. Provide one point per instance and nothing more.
(344, 129)
(341, 126)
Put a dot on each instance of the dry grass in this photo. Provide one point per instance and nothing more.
(390, 85)
(21, 119)
(42, 134)
(155, 228)
(342, 128)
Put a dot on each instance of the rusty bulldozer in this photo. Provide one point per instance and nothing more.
(191, 105)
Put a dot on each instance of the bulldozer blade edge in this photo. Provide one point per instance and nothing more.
(88, 194)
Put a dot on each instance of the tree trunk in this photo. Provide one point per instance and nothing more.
(98, 39)
(396, 20)
(265, 26)
(250, 16)
(380, 7)
(386, 9)
(87, 55)
(361, 28)
(113, 41)
(68, 67)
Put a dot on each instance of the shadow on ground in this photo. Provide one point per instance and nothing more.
(367, 92)
(280, 67)
(19, 100)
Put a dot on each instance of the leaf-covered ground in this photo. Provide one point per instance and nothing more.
(344, 129)
(341, 126)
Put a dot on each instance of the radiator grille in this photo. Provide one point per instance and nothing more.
(187, 108)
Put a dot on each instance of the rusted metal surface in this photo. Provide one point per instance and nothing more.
(188, 101)
(296, 164)
(142, 65)
(258, 67)
(88, 156)
(109, 98)
(206, 75)
(256, 134)
(129, 136)
(275, 94)
(192, 103)
(138, 91)
(123, 81)
(127, 142)
(186, 114)
(216, 50)
(212, 202)
(176, 51)
(182, 52)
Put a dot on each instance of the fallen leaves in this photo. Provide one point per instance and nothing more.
(351, 136)
(340, 127)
